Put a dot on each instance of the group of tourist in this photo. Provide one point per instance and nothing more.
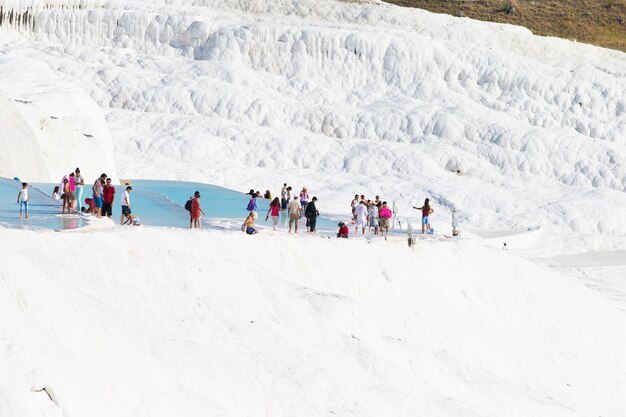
(296, 208)
(373, 215)
(70, 191)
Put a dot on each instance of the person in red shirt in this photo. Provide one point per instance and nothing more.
(108, 197)
(343, 230)
(195, 221)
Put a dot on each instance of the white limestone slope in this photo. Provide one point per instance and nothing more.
(348, 97)
(510, 130)
(48, 125)
(195, 324)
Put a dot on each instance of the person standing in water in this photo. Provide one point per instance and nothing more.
(274, 211)
(294, 211)
(304, 198)
(66, 195)
(79, 181)
(22, 199)
(426, 211)
(72, 198)
(283, 198)
(195, 212)
(311, 213)
(252, 205)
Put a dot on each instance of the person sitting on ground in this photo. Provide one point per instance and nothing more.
(343, 230)
(248, 224)
(131, 219)
(89, 206)
(55, 193)
(426, 211)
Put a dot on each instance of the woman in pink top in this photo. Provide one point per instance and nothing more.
(385, 214)
(72, 184)
(304, 198)
(274, 211)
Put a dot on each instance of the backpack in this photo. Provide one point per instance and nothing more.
(188, 204)
(250, 205)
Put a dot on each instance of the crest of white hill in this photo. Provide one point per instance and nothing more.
(196, 324)
(345, 96)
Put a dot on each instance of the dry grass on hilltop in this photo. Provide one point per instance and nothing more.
(599, 22)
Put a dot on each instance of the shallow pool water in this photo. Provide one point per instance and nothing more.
(44, 212)
(156, 203)
(161, 203)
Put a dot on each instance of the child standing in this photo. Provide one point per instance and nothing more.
(23, 198)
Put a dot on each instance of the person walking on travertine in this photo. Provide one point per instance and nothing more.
(361, 218)
(426, 211)
(274, 211)
(127, 213)
(372, 217)
(385, 216)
